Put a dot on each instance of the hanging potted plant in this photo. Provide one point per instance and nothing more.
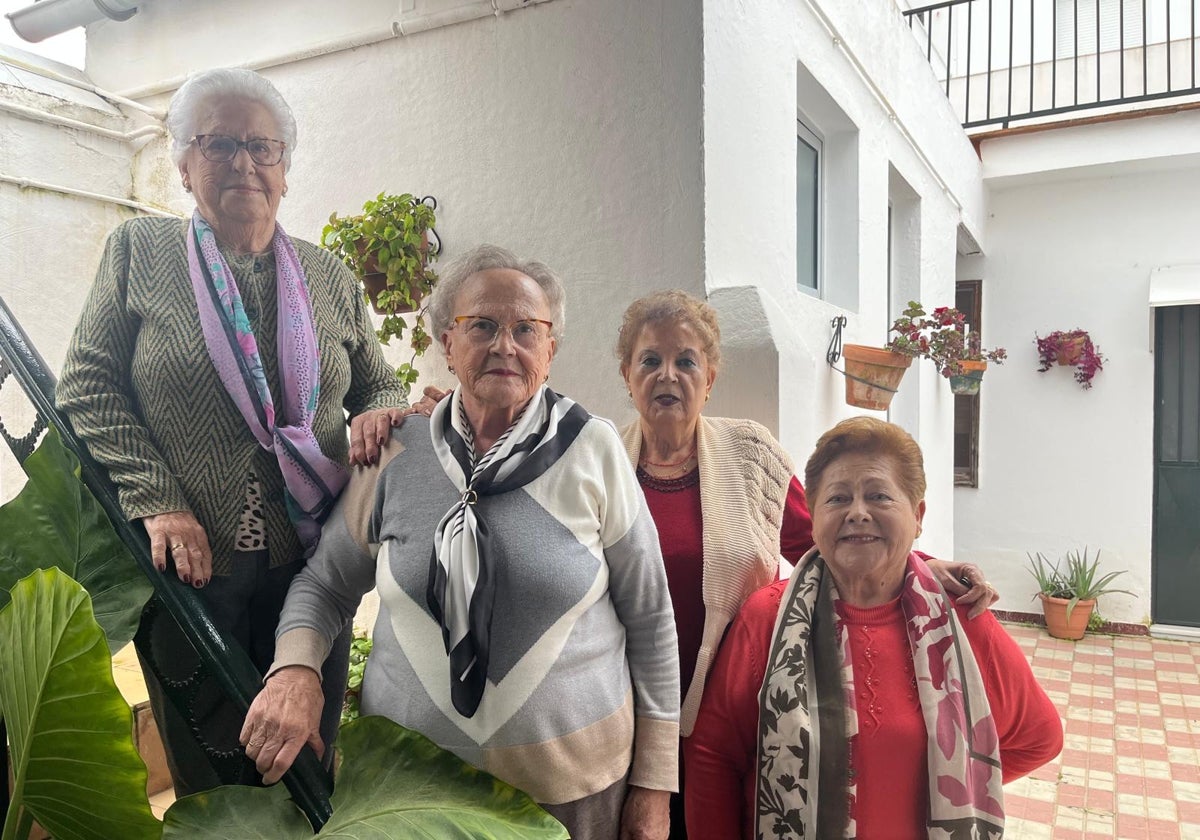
(873, 375)
(942, 337)
(1070, 348)
(390, 247)
(1069, 594)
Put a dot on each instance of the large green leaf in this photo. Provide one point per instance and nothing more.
(393, 782)
(75, 767)
(55, 521)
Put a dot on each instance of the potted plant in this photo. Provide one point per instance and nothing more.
(1070, 348)
(873, 375)
(1069, 593)
(942, 337)
(390, 246)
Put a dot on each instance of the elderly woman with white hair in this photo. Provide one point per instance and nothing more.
(210, 372)
(525, 622)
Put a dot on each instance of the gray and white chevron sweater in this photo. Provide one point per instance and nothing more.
(583, 678)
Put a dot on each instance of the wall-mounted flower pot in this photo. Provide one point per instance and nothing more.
(1057, 623)
(1071, 350)
(873, 375)
(966, 384)
(375, 283)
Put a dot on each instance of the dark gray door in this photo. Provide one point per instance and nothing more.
(1176, 553)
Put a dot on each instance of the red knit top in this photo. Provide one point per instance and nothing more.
(675, 507)
(889, 757)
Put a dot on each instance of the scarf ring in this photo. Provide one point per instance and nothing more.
(462, 568)
(807, 718)
(311, 480)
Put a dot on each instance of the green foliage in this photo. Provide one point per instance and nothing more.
(75, 768)
(1095, 621)
(56, 522)
(941, 337)
(1077, 581)
(391, 237)
(360, 649)
(393, 782)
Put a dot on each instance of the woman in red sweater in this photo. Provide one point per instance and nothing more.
(855, 699)
(722, 491)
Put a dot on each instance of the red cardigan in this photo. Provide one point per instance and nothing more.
(720, 756)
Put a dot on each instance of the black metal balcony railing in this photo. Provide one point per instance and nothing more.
(1006, 60)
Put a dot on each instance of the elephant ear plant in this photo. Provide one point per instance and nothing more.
(76, 770)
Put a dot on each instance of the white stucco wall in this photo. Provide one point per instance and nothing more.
(50, 242)
(568, 131)
(1062, 468)
(904, 125)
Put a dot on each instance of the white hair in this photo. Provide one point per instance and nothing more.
(454, 274)
(184, 112)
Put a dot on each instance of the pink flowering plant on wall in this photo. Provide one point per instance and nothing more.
(1070, 348)
(940, 336)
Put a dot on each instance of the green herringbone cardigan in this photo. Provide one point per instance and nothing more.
(139, 387)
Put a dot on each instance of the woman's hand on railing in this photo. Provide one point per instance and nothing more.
(284, 717)
(179, 534)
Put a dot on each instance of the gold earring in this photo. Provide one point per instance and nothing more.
(451, 368)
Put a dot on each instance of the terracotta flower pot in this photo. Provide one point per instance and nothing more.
(1070, 350)
(375, 283)
(873, 375)
(1057, 624)
(967, 383)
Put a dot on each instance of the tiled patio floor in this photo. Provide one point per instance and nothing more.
(1130, 766)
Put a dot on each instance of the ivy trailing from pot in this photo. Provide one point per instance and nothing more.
(390, 246)
(942, 337)
(1070, 348)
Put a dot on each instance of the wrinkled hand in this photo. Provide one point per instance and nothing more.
(284, 717)
(647, 814)
(179, 533)
(967, 581)
(370, 430)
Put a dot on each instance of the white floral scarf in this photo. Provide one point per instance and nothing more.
(807, 716)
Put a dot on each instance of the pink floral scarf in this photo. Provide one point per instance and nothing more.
(807, 715)
(312, 480)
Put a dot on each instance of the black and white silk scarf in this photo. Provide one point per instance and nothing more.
(462, 581)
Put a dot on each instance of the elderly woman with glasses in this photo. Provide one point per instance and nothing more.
(525, 622)
(210, 372)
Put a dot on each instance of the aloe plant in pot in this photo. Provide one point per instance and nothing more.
(1068, 590)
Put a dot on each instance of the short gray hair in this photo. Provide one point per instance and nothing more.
(455, 273)
(183, 114)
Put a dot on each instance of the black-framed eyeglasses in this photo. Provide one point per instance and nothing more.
(221, 148)
(525, 333)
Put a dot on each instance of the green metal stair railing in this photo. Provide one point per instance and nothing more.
(308, 781)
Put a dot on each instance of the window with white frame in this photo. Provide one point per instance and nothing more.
(827, 212)
(808, 207)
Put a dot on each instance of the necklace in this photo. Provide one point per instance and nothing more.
(648, 463)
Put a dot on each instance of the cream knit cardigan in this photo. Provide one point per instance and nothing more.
(744, 479)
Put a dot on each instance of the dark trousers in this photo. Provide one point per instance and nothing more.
(245, 605)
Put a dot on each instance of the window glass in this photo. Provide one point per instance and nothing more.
(808, 208)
